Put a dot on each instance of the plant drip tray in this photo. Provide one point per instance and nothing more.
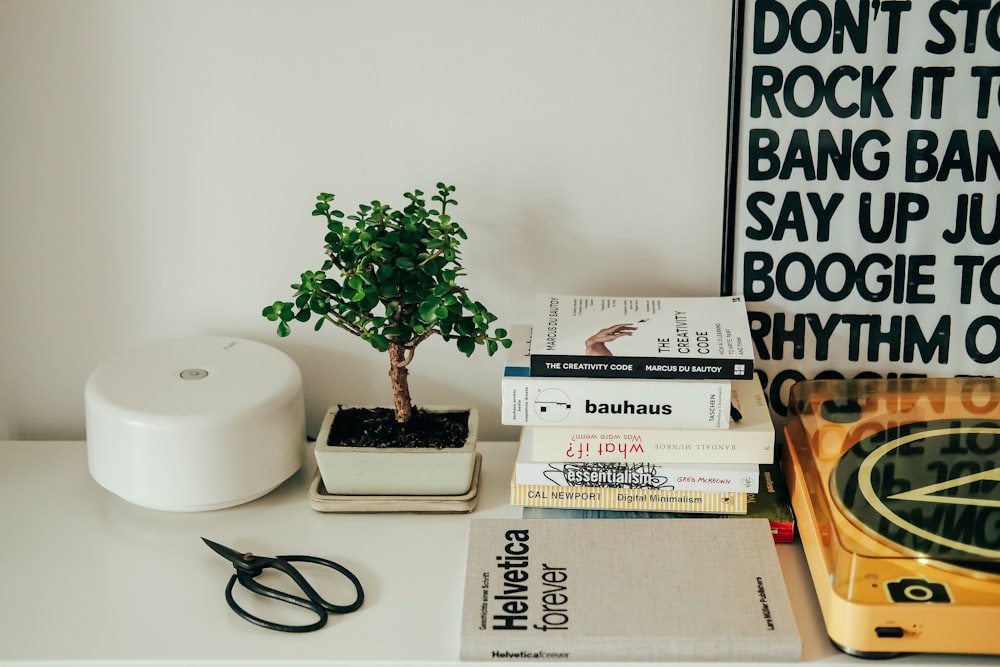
(322, 501)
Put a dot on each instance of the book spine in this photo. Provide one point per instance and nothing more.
(718, 649)
(650, 368)
(640, 476)
(585, 497)
(782, 530)
(773, 503)
(575, 402)
(650, 445)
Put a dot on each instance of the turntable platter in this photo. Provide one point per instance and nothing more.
(928, 489)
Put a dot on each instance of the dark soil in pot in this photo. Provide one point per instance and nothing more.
(377, 427)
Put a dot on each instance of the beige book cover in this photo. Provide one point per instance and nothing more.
(625, 590)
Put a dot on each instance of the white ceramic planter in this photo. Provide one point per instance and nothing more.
(397, 470)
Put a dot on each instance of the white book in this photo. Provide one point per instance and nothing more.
(619, 590)
(698, 338)
(711, 477)
(749, 439)
(677, 404)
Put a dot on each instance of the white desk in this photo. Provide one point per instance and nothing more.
(86, 577)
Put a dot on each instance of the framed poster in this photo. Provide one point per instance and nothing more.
(864, 187)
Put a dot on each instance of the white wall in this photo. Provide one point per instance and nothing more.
(159, 161)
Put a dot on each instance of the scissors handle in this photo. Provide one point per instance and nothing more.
(312, 593)
(312, 601)
(254, 586)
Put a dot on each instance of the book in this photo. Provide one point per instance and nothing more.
(626, 590)
(698, 338)
(771, 502)
(743, 477)
(608, 498)
(751, 439)
(527, 399)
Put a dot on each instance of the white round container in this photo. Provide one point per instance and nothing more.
(195, 424)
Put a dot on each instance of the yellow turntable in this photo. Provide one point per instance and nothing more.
(896, 490)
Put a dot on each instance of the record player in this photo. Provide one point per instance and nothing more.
(896, 490)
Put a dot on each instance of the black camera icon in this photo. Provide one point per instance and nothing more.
(918, 590)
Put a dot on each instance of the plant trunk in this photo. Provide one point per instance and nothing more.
(399, 377)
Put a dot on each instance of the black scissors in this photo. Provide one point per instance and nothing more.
(249, 566)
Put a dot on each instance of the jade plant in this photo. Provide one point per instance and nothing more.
(391, 278)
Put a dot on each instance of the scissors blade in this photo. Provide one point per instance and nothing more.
(232, 555)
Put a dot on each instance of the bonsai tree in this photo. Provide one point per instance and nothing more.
(391, 279)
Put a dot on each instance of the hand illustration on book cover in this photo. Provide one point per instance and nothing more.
(597, 345)
(694, 338)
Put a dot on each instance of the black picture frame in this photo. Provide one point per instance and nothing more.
(894, 154)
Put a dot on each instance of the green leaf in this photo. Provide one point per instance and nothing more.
(380, 343)
(319, 305)
(428, 311)
(466, 345)
(271, 312)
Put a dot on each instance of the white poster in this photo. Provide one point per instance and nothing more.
(863, 194)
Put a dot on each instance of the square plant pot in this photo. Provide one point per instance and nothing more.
(404, 471)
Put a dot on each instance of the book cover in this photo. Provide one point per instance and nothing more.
(626, 590)
(609, 498)
(697, 338)
(743, 477)
(771, 502)
(527, 399)
(750, 439)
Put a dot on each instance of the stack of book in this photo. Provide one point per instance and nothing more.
(636, 404)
